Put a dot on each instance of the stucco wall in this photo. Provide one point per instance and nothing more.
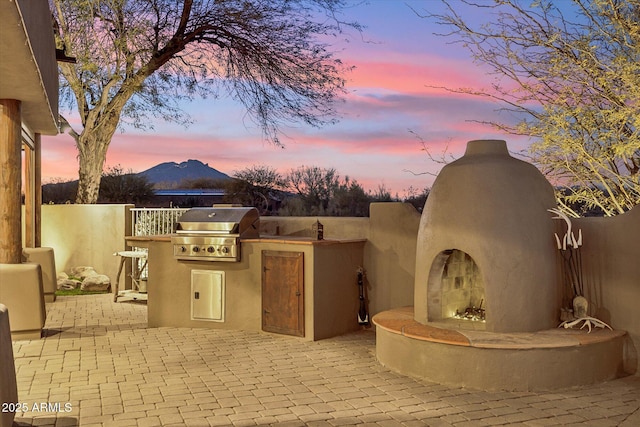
(334, 227)
(90, 234)
(611, 260)
(390, 255)
(86, 235)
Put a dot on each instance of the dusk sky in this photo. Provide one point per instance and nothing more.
(389, 102)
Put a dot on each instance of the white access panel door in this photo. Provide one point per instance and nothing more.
(207, 295)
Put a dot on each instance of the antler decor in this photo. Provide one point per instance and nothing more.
(569, 247)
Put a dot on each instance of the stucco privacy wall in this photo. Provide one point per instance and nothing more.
(390, 255)
(334, 227)
(86, 235)
(90, 234)
(611, 260)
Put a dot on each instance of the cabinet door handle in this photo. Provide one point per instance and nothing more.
(266, 311)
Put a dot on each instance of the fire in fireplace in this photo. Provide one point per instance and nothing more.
(462, 287)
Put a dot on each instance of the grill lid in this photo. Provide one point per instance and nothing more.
(244, 221)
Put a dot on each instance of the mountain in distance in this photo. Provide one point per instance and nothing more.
(171, 174)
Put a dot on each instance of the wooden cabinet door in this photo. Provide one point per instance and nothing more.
(283, 292)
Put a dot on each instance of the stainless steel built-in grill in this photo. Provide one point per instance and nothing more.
(214, 234)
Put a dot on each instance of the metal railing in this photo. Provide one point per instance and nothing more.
(152, 222)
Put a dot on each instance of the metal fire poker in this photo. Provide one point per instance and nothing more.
(363, 316)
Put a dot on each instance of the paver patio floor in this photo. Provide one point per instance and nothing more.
(99, 365)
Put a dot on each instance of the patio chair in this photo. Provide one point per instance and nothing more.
(44, 257)
(8, 384)
(21, 291)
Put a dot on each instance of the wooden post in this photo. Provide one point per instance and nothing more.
(29, 229)
(32, 193)
(37, 191)
(10, 182)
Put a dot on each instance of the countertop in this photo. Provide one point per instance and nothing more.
(142, 239)
(291, 240)
(298, 240)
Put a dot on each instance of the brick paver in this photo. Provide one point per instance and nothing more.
(99, 365)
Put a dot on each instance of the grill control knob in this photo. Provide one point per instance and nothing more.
(224, 250)
(196, 249)
(183, 249)
(211, 249)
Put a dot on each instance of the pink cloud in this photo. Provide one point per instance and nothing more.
(418, 73)
(390, 92)
(371, 157)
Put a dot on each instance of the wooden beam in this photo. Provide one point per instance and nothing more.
(10, 182)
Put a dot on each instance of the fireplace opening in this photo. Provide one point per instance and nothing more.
(456, 289)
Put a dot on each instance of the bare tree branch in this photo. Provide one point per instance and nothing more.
(139, 59)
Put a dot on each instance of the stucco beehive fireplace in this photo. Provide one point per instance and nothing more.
(486, 241)
(485, 248)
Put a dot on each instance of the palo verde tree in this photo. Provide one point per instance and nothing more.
(571, 72)
(137, 59)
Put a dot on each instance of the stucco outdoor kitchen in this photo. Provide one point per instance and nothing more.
(484, 247)
(502, 225)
